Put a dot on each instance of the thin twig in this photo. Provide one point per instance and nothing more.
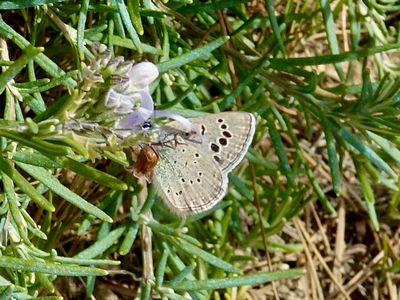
(264, 237)
(363, 274)
(316, 289)
(320, 258)
(146, 235)
(340, 243)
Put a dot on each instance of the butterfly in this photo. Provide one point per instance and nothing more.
(190, 171)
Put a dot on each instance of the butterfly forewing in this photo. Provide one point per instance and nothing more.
(188, 179)
(226, 136)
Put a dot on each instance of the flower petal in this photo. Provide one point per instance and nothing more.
(114, 99)
(136, 118)
(146, 100)
(141, 75)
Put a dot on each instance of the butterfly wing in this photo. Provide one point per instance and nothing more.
(227, 136)
(188, 179)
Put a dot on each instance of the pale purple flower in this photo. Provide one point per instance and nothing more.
(132, 98)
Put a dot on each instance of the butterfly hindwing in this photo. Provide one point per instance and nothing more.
(188, 179)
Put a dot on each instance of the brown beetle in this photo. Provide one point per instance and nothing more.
(145, 162)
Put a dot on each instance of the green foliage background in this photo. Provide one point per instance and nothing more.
(306, 69)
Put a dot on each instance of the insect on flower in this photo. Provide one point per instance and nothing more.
(145, 162)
